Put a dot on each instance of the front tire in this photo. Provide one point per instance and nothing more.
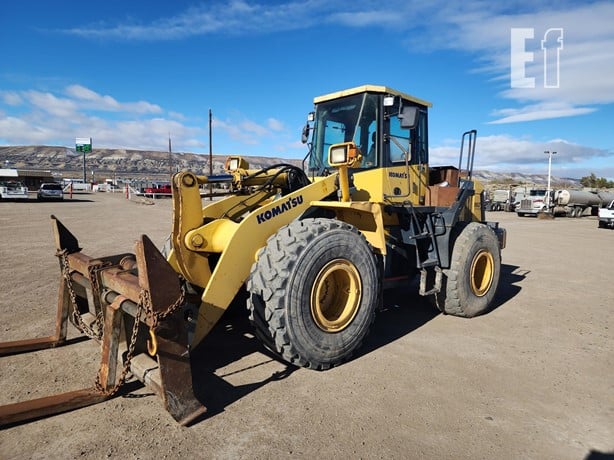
(469, 285)
(313, 292)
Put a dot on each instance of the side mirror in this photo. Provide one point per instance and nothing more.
(408, 117)
(305, 135)
(311, 116)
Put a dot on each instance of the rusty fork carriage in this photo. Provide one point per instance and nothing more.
(148, 311)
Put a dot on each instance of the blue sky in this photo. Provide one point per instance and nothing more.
(129, 73)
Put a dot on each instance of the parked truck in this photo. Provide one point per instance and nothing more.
(606, 215)
(534, 201)
(13, 190)
(501, 200)
(577, 203)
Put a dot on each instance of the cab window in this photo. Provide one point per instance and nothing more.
(399, 142)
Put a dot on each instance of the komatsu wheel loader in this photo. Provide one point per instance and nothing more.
(313, 247)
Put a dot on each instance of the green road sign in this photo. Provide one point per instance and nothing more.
(85, 148)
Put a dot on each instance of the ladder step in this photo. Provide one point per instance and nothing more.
(429, 263)
(436, 282)
(421, 236)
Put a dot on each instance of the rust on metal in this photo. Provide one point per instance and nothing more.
(106, 291)
(49, 405)
(172, 337)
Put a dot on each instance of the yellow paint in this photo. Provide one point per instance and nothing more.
(396, 184)
(365, 216)
(371, 89)
(249, 235)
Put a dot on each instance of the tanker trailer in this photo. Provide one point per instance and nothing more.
(606, 198)
(574, 203)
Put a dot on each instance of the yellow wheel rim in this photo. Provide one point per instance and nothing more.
(335, 295)
(482, 272)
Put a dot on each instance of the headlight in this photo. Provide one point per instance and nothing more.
(345, 154)
(338, 155)
(234, 163)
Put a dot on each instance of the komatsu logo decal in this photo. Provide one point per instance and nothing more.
(397, 175)
(279, 209)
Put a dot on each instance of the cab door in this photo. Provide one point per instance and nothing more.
(405, 157)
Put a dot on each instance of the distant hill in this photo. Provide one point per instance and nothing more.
(139, 163)
(491, 178)
(124, 162)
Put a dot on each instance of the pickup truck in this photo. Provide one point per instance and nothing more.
(13, 190)
(606, 216)
(159, 189)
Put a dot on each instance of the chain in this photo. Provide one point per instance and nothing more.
(76, 315)
(143, 299)
(93, 276)
(156, 317)
(144, 305)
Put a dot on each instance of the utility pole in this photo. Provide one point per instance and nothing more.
(170, 157)
(210, 155)
(549, 153)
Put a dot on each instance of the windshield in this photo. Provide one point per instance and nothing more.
(353, 118)
(11, 184)
(51, 187)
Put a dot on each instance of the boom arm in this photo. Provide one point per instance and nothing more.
(215, 247)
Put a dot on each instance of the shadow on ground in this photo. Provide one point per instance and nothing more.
(232, 339)
(509, 284)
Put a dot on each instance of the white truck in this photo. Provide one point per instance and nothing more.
(606, 216)
(501, 200)
(13, 190)
(533, 202)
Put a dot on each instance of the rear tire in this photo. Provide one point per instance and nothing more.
(313, 292)
(468, 287)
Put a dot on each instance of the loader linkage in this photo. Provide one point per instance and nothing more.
(140, 293)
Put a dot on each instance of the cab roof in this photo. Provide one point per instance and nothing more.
(370, 89)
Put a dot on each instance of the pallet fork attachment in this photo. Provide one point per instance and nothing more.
(139, 294)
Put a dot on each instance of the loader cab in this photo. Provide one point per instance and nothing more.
(389, 128)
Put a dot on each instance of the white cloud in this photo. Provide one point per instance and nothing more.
(95, 101)
(248, 131)
(53, 105)
(11, 98)
(586, 61)
(539, 112)
(478, 27)
(275, 125)
(49, 118)
(504, 153)
(230, 17)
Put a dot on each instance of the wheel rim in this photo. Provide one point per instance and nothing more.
(335, 295)
(482, 272)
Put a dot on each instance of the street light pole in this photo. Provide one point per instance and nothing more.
(549, 153)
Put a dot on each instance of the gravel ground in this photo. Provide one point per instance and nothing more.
(531, 379)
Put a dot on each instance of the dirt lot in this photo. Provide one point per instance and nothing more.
(531, 379)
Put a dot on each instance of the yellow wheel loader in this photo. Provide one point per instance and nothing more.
(314, 248)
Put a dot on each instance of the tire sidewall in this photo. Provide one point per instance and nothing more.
(322, 346)
(485, 240)
(457, 297)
